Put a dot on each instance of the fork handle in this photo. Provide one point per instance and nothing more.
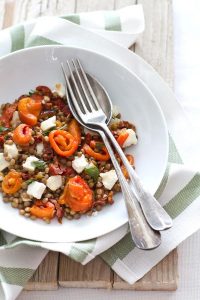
(155, 214)
(143, 235)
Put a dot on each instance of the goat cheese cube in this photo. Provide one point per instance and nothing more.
(131, 139)
(79, 163)
(28, 163)
(3, 163)
(36, 189)
(59, 89)
(15, 119)
(54, 182)
(48, 124)
(11, 150)
(40, 148)
(109, 179)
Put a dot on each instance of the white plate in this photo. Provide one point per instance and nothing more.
(24, 70)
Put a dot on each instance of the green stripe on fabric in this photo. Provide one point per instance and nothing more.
(184, 198)
(40, 41)
(2, 239)
(19, 241)
(72, 18)
(17, 37)
(174, 207)
(80, 252)
(112, 21)
(163, 183)
(16, 276)
(174, 156)
(119, 250)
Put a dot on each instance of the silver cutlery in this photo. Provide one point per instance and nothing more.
(143, 235)
(153, 211)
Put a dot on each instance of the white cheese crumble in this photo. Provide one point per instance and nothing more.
(131, 139)
(109, 179)
(11, 150)
(28, 163)
(48, 124)
(54, 182)
(59, 89)
(79, 163)
(15, 119)
(40, 148)
(3, 163)
(36, 189)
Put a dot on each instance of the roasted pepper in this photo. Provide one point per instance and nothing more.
(29, 110)
(41, 210)
(12, 182)
(63, 143)
(22, 135)
(99, 156)
(75, 130)
(77, 195)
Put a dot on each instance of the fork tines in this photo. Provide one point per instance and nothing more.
(80, 88)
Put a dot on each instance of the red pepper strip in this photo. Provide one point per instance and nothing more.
(41, 210)
(7, 114)
(99, 156)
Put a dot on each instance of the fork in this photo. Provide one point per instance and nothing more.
(92, 114)
(142, 234)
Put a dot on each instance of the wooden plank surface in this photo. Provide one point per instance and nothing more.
(155, 46)
(162, 277)
(45, 277)
(96, 274)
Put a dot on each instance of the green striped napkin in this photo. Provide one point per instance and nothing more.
(178, 192)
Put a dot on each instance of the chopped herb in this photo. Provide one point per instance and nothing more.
(2, 129)
(32, 92)
(6, 137)
(39, 164)
(49, 130)
(92, 171)
(99, 145)
(29, 181)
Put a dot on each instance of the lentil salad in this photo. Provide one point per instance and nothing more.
(50, 166)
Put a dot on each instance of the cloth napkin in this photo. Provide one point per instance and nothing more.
(178, 192)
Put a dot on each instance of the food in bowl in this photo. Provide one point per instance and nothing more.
(51, 166)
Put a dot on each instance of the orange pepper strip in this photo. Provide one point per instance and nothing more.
(22, 135)
(41, 210)
(99, 156)
(121, 138)
(75, 130)
(77, 195)
(29, 110)
(63, 143)
(12, 182)
(131, 161)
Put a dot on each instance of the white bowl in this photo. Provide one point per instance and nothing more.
(24, 70)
